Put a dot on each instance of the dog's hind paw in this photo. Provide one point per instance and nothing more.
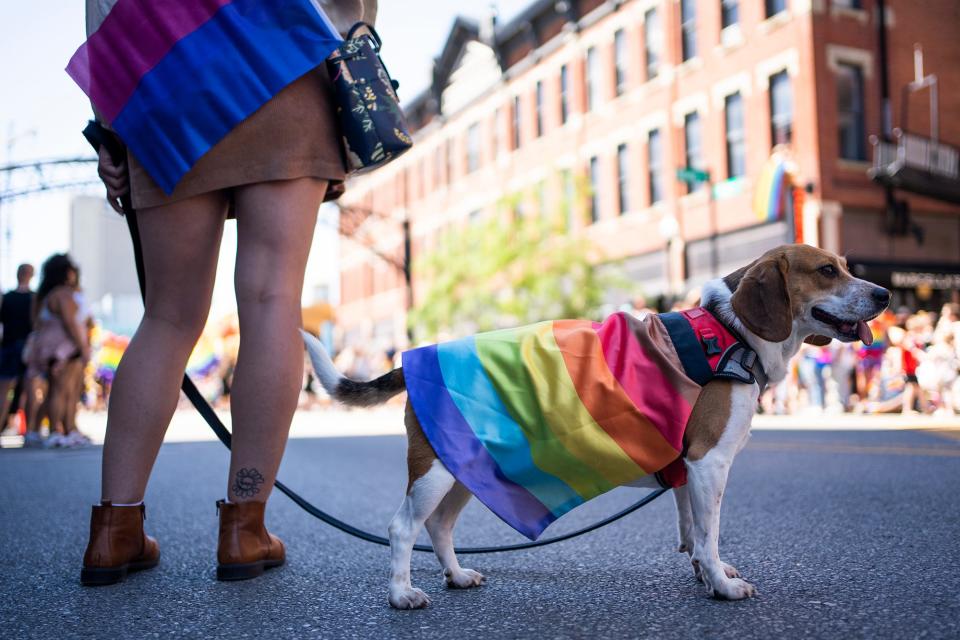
(408, 598)
(463, 579)
(734, 589)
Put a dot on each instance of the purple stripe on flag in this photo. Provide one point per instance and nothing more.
(461, 452)
(133, 38)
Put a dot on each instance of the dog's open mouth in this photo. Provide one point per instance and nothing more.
(847, 330)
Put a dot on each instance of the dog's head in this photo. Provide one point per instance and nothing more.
(798, 288)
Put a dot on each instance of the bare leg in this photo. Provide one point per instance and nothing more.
(6, 385)
(424, 497)
(440, 527)
(74, 391)
(275, 223)
(181, 244)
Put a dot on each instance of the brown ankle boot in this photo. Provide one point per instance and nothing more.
(117, 545)
(246, 548)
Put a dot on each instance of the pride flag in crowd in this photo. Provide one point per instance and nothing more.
(537, 420)
(173, 77)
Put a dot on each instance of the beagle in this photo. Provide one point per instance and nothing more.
(534, 421)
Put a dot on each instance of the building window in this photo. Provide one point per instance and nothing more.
(775, 6)
(693, 146)
(848, 4)
(539, 105)
(729, 13)
(473, 147)
(623, 179)
(495, 132)
(564, 94)
(620, 61)
(781, 109)
(438, 166)
(850, 116)
(516, 122)
(655, 165)
(736, 146)
(593, 77)
(594, 189)
(652, 42)
(688, 28)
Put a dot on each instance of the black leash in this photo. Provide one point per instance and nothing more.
(97, 136)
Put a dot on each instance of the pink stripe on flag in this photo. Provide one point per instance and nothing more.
(133, 38)
(641, 377)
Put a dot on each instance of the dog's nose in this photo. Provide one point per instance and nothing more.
(880, 296)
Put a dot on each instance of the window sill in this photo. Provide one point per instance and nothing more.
(853, 165)
(731, 37)
(775, 21)
(860, 15)
(692, 65)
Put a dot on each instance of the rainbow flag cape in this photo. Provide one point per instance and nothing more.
(537, 420)
(173, 77)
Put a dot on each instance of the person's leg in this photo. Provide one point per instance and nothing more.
(275, 223)
(6, 406)
(181, 243)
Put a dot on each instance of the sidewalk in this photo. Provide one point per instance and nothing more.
(188, 426)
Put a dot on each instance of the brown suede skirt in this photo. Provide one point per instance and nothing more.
(294, 135)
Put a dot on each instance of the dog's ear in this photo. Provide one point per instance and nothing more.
(817, 341)
(762, 301)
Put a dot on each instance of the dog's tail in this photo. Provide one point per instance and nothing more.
(343, 389)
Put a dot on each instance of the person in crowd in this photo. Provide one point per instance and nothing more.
(16, 322)
(74, 388)
(912, 348)
(58, 348)
(813, 361)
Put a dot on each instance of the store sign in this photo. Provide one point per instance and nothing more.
(914, 279)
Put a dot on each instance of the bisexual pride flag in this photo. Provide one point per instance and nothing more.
(537, 420)
(173, 77)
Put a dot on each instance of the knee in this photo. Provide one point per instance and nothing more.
(184, 321)
(252, 295)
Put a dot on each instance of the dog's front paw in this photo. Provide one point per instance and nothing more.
(733, 589)
(408, 598)
(463, 579)
(730, 570)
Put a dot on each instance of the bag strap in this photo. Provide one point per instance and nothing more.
(373, 33)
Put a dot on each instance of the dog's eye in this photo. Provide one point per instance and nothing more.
(828, 270)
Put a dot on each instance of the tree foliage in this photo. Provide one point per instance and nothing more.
(504, 272)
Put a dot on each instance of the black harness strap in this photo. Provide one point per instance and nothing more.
(694, 362)
(98, 136)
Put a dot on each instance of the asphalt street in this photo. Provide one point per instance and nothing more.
(845, 534)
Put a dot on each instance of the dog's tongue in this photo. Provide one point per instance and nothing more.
(863, 331)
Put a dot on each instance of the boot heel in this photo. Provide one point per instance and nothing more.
(230, 572)
(101, 577)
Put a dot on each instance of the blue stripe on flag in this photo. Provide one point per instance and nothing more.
(460, 450)
(216, 77)
(475, 396)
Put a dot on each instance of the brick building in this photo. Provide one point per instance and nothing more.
(619, 95)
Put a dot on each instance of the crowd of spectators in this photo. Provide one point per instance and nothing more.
(911, 367)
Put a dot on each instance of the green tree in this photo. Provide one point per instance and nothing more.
(508, 271)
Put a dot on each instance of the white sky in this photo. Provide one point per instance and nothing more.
(44, 111)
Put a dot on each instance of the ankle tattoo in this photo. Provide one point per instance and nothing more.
(247, 483)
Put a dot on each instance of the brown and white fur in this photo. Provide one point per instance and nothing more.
(771, 303)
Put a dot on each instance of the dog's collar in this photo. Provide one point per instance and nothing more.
(710, 349)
